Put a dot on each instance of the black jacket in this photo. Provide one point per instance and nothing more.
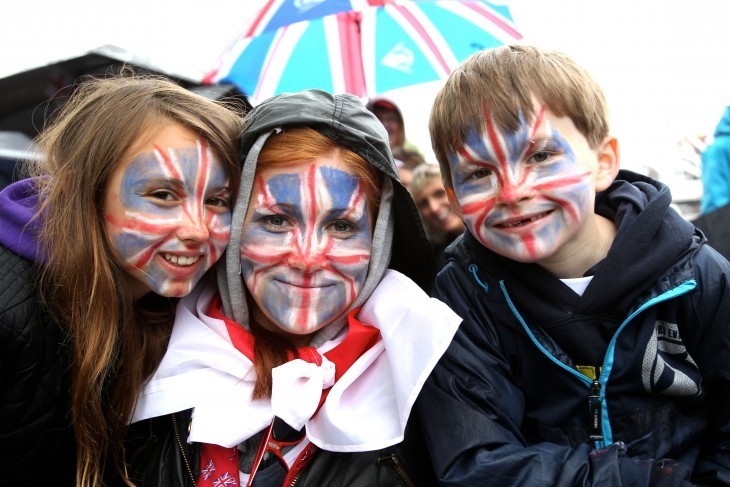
(159, 456)
(36, 439)
(508, 405)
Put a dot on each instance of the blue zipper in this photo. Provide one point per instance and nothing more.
(597, 402)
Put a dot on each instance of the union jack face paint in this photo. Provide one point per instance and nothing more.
(168, 214)
(525, 194)
(305, 244)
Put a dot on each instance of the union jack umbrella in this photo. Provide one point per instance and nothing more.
(370, 50)
(279, 13)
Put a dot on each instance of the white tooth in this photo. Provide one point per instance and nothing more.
(188, 260)
(174, 259)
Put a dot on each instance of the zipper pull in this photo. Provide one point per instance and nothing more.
(594, 408)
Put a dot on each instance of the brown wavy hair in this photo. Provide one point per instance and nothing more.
(116, 342)
(288, 147)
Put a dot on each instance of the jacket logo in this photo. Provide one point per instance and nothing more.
(667, 368)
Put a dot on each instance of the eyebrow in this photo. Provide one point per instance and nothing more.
(340, 211)
(282, 207)
(161, 181)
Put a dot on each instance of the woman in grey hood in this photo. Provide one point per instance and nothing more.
(303, 363)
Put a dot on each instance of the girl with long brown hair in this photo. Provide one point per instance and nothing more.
(128, 209)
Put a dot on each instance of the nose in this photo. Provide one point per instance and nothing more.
(511, 193)
(307, 253)
(432, 206)
(193, 228)
(307, 261)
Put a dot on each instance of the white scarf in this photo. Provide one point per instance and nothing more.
(368, 407)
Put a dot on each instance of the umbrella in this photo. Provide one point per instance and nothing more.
(366, 51)
(279, 13)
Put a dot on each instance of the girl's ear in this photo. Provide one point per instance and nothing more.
(608, 163)
(453, 201)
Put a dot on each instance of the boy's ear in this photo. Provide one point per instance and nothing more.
(453, 201)
(609, 162)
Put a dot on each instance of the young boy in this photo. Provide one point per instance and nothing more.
(595, 346)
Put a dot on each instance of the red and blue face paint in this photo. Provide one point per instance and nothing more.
(524, 194)
(168, 213)
(305, 244)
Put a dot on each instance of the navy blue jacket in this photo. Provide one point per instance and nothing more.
(506, 405)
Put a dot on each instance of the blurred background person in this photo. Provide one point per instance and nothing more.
(716, 168)
(442, 224)
(406, 161)
(714, 219)
(392, 119)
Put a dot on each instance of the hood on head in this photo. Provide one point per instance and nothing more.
(380, 102)
(383, 102)
(399, 241)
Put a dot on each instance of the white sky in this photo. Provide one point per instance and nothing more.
(664, 64)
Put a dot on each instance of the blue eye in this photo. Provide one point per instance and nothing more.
(539, 156)
(275, 220)
(275, 223)
(343, 227)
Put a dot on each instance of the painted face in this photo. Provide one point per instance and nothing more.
(306, 244)
(435, 209)
(524, 195)
(167, 212)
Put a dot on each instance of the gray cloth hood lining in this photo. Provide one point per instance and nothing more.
(230, 280)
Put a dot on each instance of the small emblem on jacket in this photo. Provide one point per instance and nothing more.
(667, 368)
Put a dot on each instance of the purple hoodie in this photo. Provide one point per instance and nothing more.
(18, 203)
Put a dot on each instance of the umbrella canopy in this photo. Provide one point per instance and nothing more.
(278, 13)
(366, 51)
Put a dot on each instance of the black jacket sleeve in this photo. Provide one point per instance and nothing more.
(35, 425)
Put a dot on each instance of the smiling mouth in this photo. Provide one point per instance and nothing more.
(301, 285)
(524, 221)
(181, 260)
(443, 215)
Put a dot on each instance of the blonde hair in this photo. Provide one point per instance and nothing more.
(421, 176)
(505, 80)
(116, 343)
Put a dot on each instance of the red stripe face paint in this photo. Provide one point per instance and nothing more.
(305, 244)
(525, 194)
(168, 212)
